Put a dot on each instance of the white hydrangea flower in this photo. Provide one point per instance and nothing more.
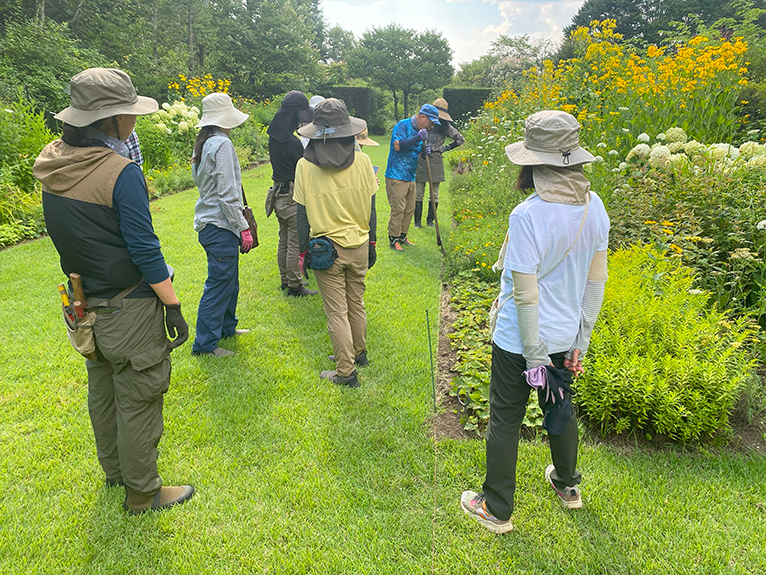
(761, 225)
(718, 151)
(601, 145)
(733, 152)
(161, 127)
(693, 147)
(623, 165)
(641, 151)
(165, 106)
(643, 138)
(613, 152)
(678, 160)
(598, 159)
(659, 157)
(626, 130)
(676, 147)
(750, 150)
(623, 109)
(661, 137)
(169, 131)
(183, 127)
(675, 134)
(757, 162)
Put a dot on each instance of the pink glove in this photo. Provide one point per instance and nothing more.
(247, 241)
(423, 134)
(302, 263)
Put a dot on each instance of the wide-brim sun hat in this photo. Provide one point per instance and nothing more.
(363, 138)
(331, 120)
(441, 105)
(551, 138)
(218, 110)
(98, 93)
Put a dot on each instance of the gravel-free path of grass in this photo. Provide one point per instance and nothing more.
(297, 475)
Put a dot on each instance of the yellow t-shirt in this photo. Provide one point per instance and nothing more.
(337, 200)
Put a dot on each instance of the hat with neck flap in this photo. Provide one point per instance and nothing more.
(552, 146)
(331, 135)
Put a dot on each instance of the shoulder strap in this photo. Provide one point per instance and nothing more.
(582, 223)
(120, 296)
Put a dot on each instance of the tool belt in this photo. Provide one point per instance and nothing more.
(79, 330)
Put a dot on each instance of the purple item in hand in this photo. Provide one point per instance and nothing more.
(536, 377)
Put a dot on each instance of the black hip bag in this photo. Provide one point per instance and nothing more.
(322, 253)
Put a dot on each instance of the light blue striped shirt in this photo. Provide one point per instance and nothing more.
(219, 180)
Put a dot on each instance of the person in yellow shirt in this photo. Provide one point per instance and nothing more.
(335, 191)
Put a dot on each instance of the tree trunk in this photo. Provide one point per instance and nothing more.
(396, 106)
(154, 35)
(406, 102)
(191, 38)
(41, 11)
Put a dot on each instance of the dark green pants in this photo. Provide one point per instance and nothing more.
(125, 391)
(508, 396)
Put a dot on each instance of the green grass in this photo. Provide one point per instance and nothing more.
(296, 475)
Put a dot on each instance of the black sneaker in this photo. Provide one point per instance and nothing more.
(301, 291)
(350, 381)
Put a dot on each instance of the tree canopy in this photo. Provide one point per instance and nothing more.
(402, 60)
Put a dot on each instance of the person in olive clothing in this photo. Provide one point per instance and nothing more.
(96, 208)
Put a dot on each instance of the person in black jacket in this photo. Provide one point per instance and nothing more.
(285, 149)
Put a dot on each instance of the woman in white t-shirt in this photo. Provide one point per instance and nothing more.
(551, 289)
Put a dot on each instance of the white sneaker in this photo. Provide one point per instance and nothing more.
(474, 504)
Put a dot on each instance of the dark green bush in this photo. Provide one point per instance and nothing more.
(465, 102)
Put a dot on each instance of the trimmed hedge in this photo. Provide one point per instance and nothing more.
(463, 102)
(360, 100)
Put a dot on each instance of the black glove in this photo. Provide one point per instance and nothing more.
(176, 324)
(372, 257)
(558, 382)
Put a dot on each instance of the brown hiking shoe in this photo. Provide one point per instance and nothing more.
(165, 498)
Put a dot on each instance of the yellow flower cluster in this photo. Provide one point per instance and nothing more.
(199, 86)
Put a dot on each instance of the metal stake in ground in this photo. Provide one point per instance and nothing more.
(433, 204)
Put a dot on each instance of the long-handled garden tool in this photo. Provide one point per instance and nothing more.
(433, 205)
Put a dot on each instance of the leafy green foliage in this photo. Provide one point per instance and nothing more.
(661, 362)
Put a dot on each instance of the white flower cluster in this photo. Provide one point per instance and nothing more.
(179, 115)
(674, 149)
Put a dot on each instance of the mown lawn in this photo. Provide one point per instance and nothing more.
(296, 475)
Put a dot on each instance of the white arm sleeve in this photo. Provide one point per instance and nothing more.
(592, 299)
(525, 297)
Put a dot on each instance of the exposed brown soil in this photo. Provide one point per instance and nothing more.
(745, 438)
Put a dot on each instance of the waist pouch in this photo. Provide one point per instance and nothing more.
(322, 253)
(80, 331)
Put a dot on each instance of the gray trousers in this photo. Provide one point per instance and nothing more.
(420, 192)
(288, 250)
(126, 385)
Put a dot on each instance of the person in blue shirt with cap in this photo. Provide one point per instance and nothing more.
(407, 141)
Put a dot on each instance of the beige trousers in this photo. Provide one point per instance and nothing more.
(342, 289)
(401, 199)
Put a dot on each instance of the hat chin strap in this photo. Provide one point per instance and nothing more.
(566, 156)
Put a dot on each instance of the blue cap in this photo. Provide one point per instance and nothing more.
(432, 113)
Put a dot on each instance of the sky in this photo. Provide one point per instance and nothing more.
(470, 26)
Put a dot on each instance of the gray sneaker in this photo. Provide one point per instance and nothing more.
(475, 505)
(570, 496)
(350, 381)
(217, 352)
(360, 360)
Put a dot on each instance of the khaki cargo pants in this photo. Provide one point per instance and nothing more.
(126, 385)
(342, 288)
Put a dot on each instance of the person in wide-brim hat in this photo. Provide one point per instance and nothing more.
(441, 105)
(554, 271)
(363, 139)
(218, 110)
(335, 188)
(96, 208)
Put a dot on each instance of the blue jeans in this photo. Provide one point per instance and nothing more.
(217, 315)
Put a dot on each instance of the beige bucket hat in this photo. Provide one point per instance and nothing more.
(363, 138)
(331, 120)
(441, 105)
(98, 93)
(551, 138)
(218, 110)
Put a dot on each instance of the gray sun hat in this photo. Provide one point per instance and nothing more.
(98, 93)
(218, 110)
(331, 120)
(551, 138)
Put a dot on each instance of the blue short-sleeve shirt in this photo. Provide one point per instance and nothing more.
(403, 164)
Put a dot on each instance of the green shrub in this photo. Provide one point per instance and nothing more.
(465, 102)
(661, 362)
(23, 134)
